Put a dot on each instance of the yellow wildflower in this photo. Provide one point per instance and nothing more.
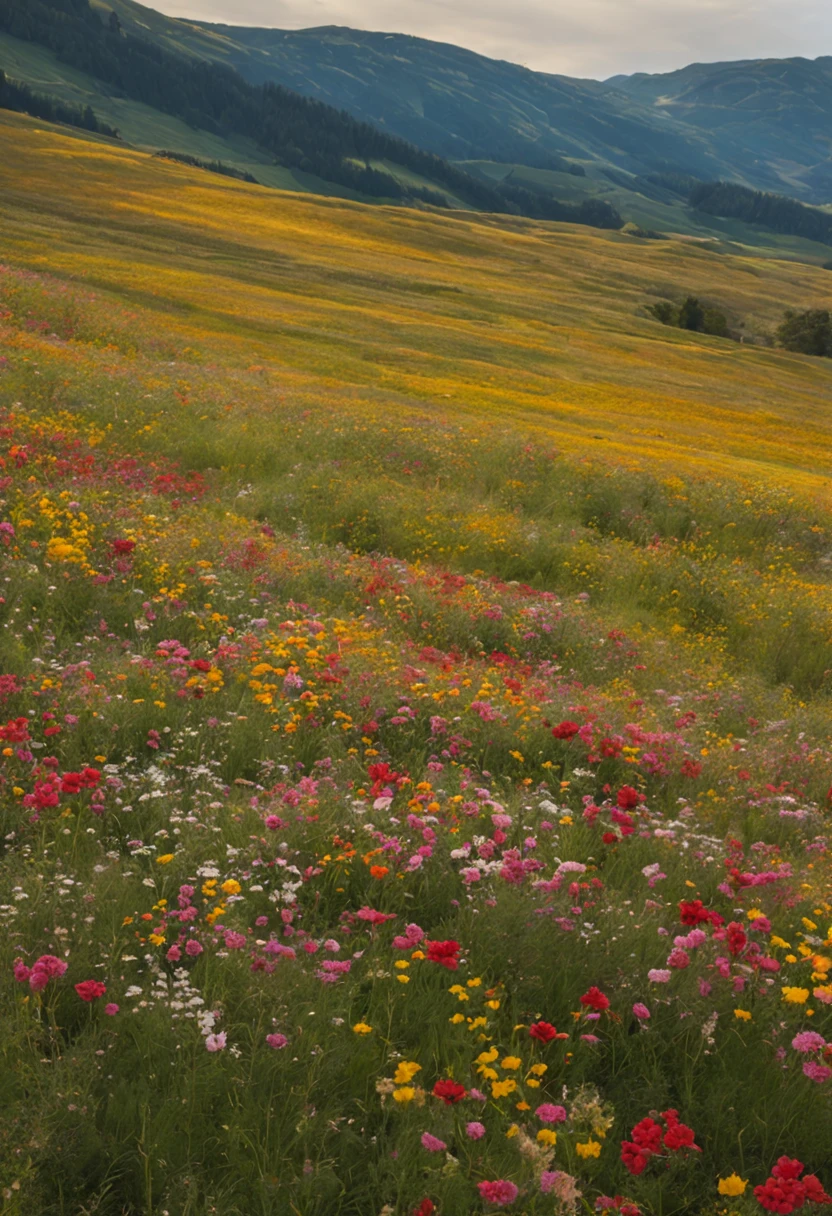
(732, 1185)
(591, 1148)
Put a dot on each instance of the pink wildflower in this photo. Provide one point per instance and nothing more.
(500, 1193)
(432, 1143)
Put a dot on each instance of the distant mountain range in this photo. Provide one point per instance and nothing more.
(764, 123)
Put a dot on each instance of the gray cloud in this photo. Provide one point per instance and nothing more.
(578, 37)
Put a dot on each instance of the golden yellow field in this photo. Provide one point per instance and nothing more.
(514, 323)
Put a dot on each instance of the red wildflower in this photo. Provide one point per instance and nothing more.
(678, 1135)
(783, 1191)
(449, 1091)
(736, 937)
(647, 1134)
(90, 990)
(544, 1032)
(595, 999)
(87, 779)
(627, 798)
(693, 912)
(425, 1208)
(16, 730)
(444, 953)
(633, 1158)
(122, 546)
(565, 730)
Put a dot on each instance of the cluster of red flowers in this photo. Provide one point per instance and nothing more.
(785, 1191)
(73, 783)
(649, 1138)
(693, 912)
(16, 730)
(444, 953)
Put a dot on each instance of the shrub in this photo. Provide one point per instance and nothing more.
(807, 333)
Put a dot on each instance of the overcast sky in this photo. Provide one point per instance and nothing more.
(578, 37)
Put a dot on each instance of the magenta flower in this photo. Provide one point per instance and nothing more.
(46, 968)
(500, 1193)
(432, 1143)
(111, 1010)
(658, 976)
(474, 1131)
(215, 1042)
(808, 1040)
(277, 1041)
(548, 1113)
(816, 1072)
(641, 1011)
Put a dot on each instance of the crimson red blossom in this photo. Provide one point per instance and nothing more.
(544, 1032)
(449, 1091)
(565, 730)
(595, 999)
(90, 990)
(627, 798)
(444, 953)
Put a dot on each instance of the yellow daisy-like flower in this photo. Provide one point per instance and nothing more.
(405, 1071)
(795, 996)
(502, 1089)
(362, 1028)
(404, 1095)
(742, 1014)
(511, 1063)
(164, 859)
(231, 887)
(732, 1185)
(546, 1136)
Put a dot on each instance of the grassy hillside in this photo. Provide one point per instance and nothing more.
(415, 684)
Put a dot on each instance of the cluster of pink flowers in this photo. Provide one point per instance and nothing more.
(44, 969)
(500, 1193)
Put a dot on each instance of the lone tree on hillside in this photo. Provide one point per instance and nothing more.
(692, 315)
(808, 333)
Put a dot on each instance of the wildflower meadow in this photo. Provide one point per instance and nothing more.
(406, 805)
